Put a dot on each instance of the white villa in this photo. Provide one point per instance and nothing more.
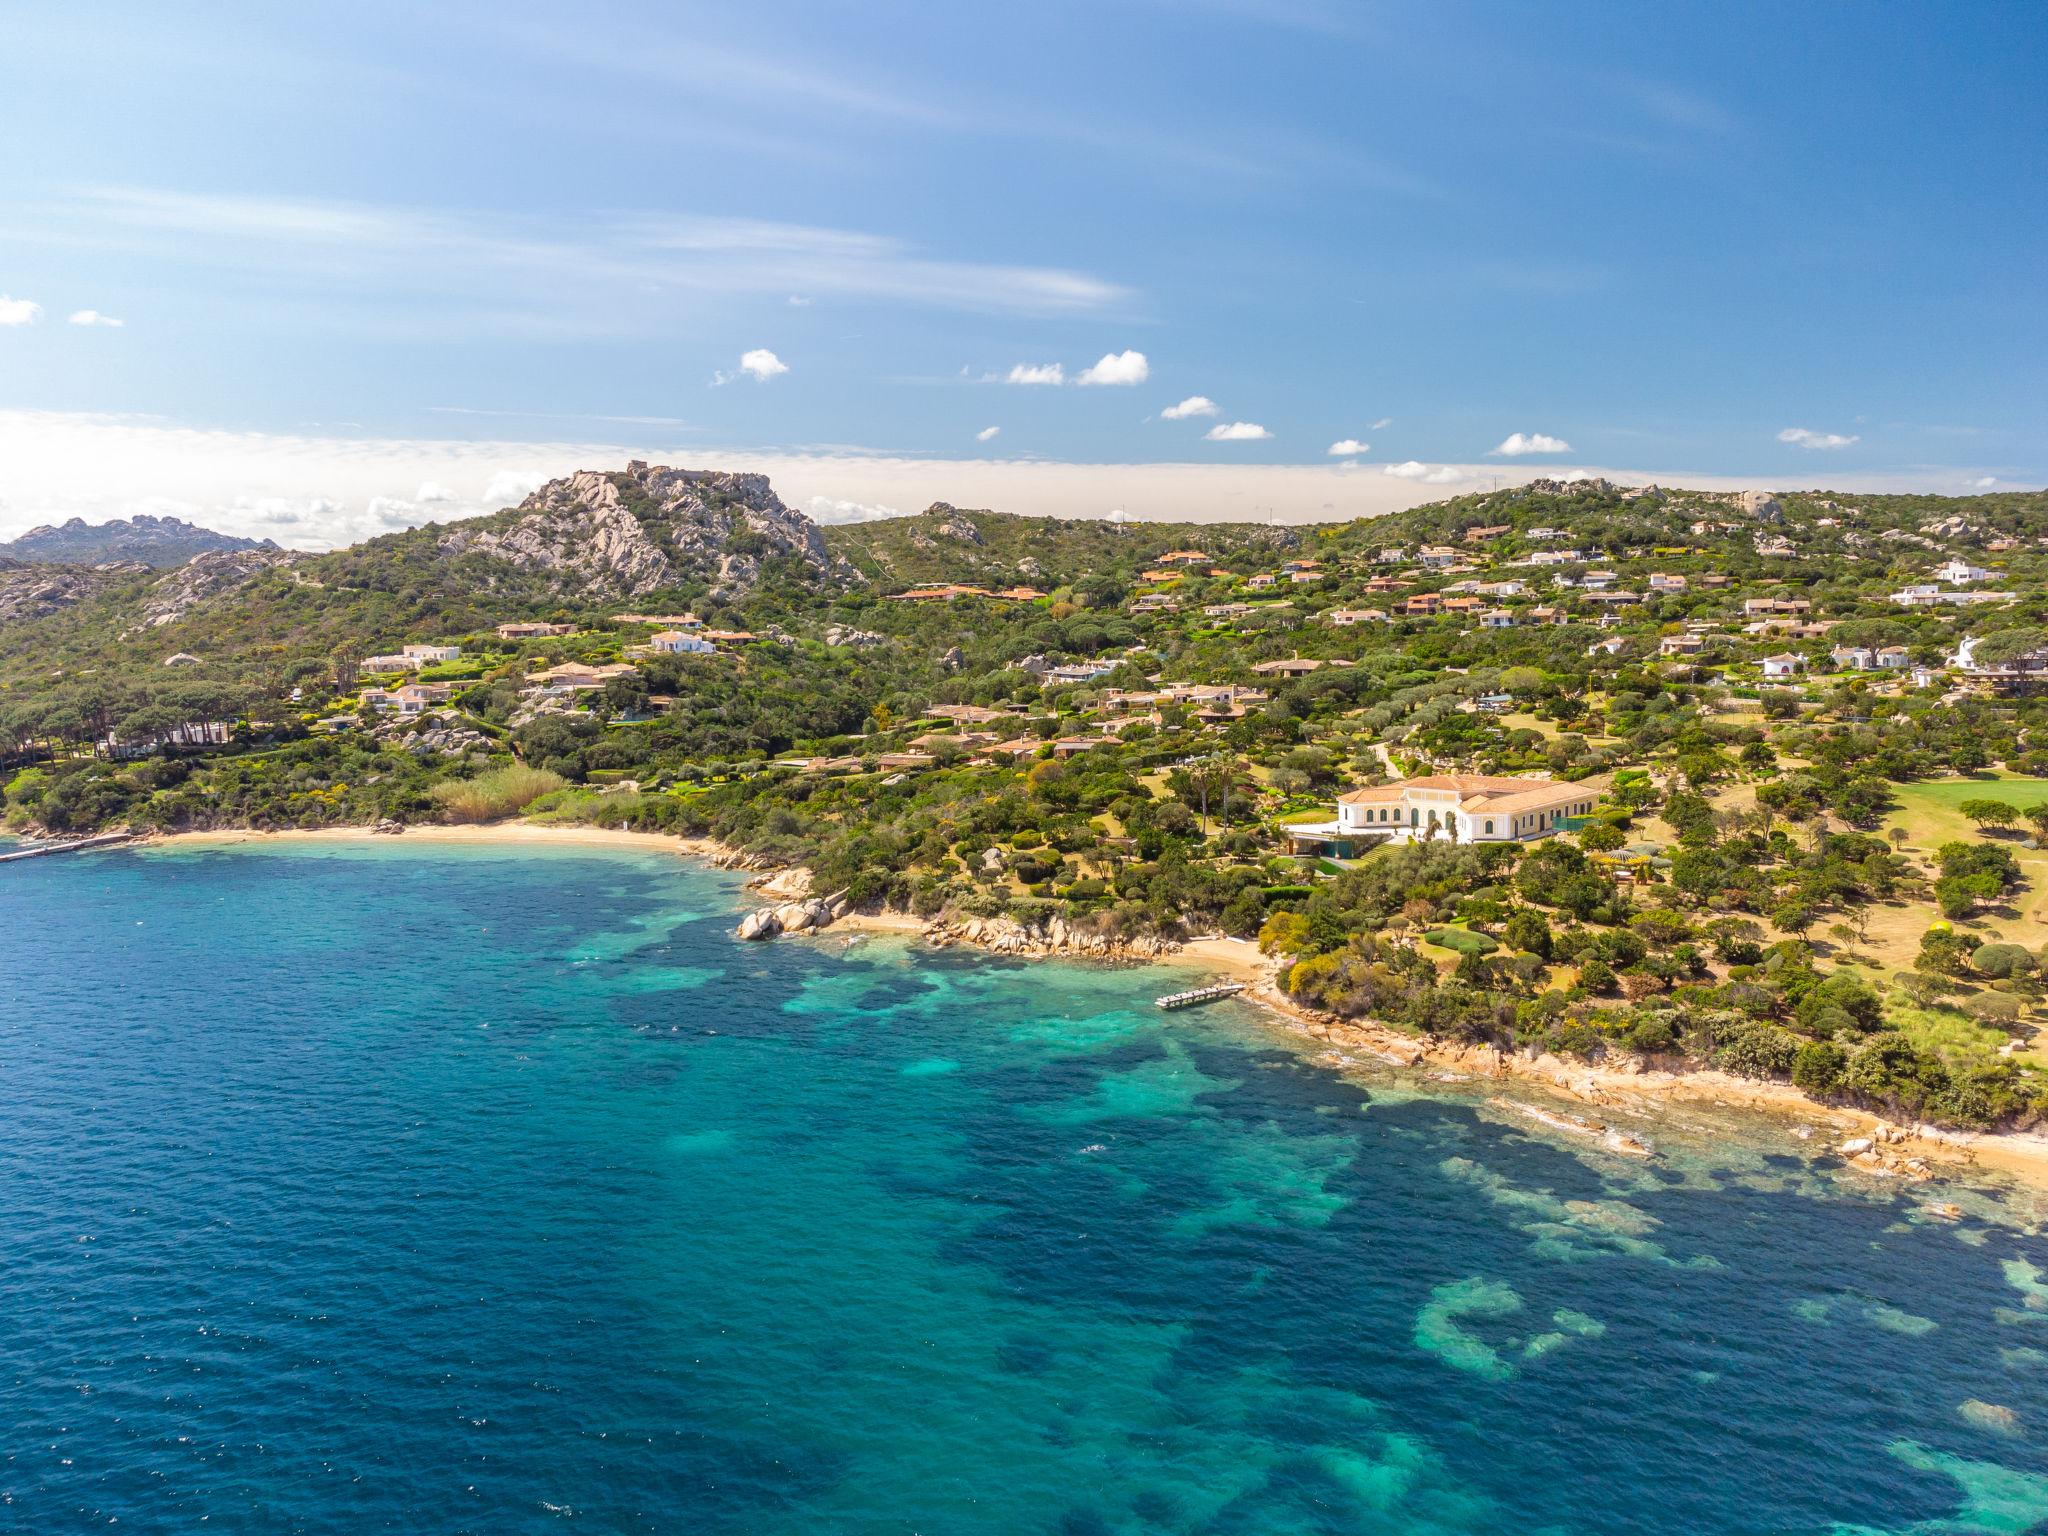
(677, 642)
(1460, 807)
(425, 653)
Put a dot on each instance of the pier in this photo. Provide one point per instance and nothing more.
(73, 845)
(1196, 995)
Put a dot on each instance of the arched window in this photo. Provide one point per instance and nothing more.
(1489, 827)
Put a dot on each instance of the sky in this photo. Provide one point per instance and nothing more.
(318, 271)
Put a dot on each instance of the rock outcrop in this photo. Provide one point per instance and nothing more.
(640, 530)
(1007, 936)
(805, 916)
(34, 592)
(177, 592)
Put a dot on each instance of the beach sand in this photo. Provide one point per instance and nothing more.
(2021, 1156)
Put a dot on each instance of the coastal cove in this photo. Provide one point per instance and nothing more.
(1353, 1047)
(475, 1186)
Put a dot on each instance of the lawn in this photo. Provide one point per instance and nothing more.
(1932, 814)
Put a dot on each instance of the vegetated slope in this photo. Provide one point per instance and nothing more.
(157, 541)
(652, 536)
(944, 543)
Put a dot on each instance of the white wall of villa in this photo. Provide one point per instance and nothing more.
(1469, 808)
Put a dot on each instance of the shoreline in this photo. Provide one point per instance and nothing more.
(1330, 1042)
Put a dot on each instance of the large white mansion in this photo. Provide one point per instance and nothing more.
(1461, 807)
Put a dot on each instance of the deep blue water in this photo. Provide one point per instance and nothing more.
(415, 1189)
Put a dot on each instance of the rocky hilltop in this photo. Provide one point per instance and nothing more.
(158, 541)
(645, 529)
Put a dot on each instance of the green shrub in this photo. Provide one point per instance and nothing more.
(1818, 1067)
(1756, 1050)
(1463, 940)
(492, 796)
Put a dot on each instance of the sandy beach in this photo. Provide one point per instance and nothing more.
(1334, 1043)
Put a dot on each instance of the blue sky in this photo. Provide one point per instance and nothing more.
(1782, 245)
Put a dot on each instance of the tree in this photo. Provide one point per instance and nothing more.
(1990, 813)
(1284, 933)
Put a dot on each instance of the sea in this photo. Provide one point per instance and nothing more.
(395, 1186)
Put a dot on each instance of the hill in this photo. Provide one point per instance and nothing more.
(155, 541)
(945, 543)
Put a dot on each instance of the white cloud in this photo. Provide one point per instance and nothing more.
(94, 317)
(1194, 405)
(315, 490)
(1349, 447)
(1237, 432)
(1036, 373)
(1801, 437)
(1427, 474)
(987, 434)
(828, 509)
(798, 301)
(599, 273)
(762, 364)
(18, 311)
(509, 487)
(1984, 482)
(1518, 443)
(1381, 425)
(432, 492)
(1117, 368)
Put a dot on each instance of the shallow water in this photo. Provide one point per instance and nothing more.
(457, 1189)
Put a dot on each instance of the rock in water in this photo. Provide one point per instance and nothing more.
(759, 925)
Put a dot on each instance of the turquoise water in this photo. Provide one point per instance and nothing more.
(412, 1189)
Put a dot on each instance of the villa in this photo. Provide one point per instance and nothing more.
(1460, 807)
(676, 642)
(533, 631)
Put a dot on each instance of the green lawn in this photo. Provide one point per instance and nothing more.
(1931, 812)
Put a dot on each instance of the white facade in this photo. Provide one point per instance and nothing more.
(1472, 808)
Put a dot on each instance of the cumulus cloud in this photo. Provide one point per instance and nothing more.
(762, 364)
(1347, 447)
(987, 434)
(1036, 373)
(1427, 474)
(432, 491)
(1518, 443)
(94, 317)
(1194, 405)
(508, 487)
(1802, 437)
(1117, 368)
(18, 311)
(1237, 432)
(831, 509)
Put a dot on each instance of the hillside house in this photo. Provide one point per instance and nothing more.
(1460, 807)
(423, 655)
(1783, 665)
(1960, 573)
(533, 631)
(677, 642)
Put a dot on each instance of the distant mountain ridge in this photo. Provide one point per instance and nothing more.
(159, 541)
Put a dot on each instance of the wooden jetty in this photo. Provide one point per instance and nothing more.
(71, 845)
(1195, 995)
